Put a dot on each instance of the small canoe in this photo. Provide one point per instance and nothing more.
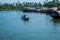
(27, 19)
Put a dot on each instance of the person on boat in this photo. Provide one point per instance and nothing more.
(24, 17)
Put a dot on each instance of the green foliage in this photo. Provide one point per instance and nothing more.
(18, 5)
(51, 4)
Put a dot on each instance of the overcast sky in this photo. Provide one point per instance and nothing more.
(11, 1)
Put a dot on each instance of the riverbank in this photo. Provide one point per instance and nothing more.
(11, 9)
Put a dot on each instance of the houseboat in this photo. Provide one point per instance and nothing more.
(28, 9)
(41, 10)
(54, 13)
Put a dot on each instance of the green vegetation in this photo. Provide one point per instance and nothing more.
(20, 6)
(53, 3)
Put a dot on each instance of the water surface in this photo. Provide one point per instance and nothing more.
(39, 27)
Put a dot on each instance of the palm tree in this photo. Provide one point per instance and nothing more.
(55, 1)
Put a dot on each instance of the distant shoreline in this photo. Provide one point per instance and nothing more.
(10, 10)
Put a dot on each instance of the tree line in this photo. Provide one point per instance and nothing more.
(20, 6)
(51, 4)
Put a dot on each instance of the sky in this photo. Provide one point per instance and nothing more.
(11, 1)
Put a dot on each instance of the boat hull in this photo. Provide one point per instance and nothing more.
(31, 10)
(55, 16)
(34, 10)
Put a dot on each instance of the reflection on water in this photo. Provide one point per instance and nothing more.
(39, 27)
(25, 21)
(56, 20)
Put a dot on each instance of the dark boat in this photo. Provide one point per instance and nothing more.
(50, 11)
(55, 14)
(41, 10)
(25, 18)
(29, 9)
